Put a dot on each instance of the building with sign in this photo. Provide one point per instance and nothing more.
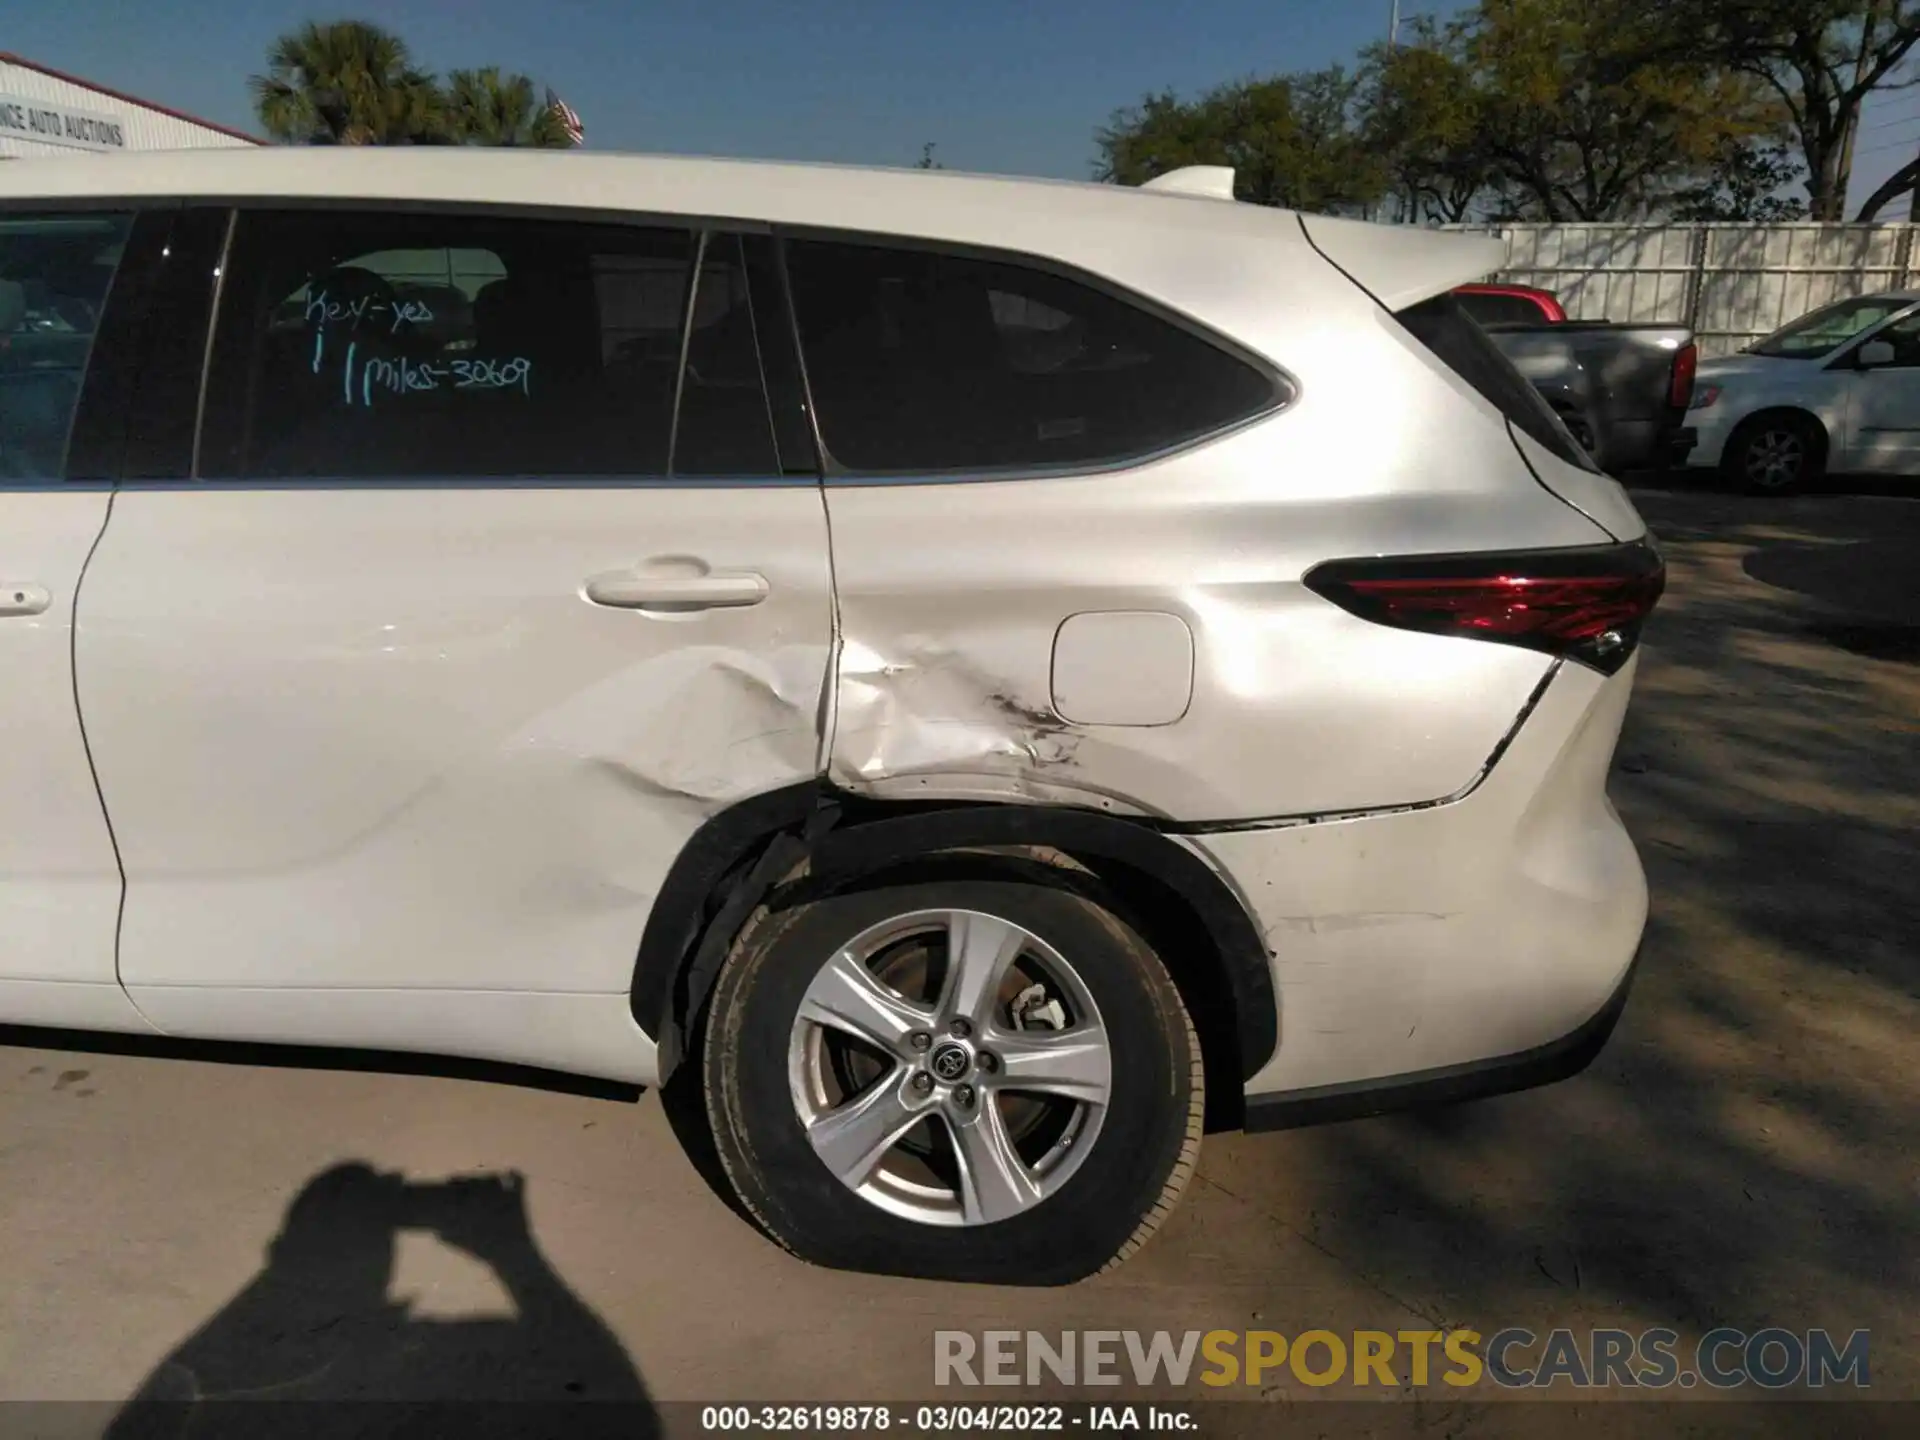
(47, 112)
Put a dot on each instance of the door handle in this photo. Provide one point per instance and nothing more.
(625, 590)
(23, 599)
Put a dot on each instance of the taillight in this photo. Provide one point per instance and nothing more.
(1586, 603)
(1685, 363)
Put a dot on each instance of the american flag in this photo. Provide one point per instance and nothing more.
(568, 117)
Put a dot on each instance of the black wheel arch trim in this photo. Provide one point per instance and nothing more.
(1746, 424)
(1545, 1064)
(734, 860)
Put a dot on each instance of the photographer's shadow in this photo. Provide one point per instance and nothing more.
(316, 1331)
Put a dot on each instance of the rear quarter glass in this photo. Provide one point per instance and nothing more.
(1454, 339)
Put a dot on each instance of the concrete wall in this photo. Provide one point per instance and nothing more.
(1731, 283)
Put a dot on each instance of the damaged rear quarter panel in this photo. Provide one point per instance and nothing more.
(950, 591)
(950, 597)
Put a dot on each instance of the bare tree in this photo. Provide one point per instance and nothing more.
(1821, 57)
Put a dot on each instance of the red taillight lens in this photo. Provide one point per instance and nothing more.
(1587, 604)
(1686, 364)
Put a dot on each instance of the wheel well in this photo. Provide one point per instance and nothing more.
(1782, 412)
(1181, 907)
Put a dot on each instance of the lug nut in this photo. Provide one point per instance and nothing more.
(959, 1029)
(987, 1061)
(963, 1096)
(922, 1082)
(920, 1040)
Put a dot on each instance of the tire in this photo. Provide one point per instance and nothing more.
(769, 1071)
(1775, 454)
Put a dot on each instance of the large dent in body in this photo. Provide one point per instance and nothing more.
(707, 724)
(921, 717)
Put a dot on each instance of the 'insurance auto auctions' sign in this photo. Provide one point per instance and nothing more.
(24, 119)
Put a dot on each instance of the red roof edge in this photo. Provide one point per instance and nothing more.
(121, 95)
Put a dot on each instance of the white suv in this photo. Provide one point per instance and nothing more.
(981, 677)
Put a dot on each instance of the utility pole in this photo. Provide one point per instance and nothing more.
(1393, 39)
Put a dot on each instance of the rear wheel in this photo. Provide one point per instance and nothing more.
(960, 1079)
(1775, 454)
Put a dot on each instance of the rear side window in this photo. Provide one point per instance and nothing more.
(408, 345)
(926, 361)
(1462, 346)
(55, 271)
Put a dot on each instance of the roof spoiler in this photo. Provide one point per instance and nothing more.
(1401, 265)
(1212, 182)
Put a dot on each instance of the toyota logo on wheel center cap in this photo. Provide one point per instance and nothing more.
(950, 1062)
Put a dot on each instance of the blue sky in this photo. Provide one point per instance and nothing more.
(1000, 85)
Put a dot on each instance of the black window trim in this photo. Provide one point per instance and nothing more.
(97, 431)
(81, 204)
(232, 228)
(789, 322)
(688, 302)
(1285, 387)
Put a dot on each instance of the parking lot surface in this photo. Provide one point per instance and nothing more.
(1746, 1152)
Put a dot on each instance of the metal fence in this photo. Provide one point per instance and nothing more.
(1730, 283)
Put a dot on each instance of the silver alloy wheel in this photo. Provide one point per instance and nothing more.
(966, 1113)
(1775, 457)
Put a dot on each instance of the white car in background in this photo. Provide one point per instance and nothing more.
(1838, 389)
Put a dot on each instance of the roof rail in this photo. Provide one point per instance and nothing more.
(1214, 182)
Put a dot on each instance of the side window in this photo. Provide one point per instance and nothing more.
(1904, 337)
(922, 360)
(55, 271)
(408, 345)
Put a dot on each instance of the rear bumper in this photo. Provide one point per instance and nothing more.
(1448, 1084)
(1456, 949)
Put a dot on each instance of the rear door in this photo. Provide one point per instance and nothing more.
(487, 586)
(59, 886)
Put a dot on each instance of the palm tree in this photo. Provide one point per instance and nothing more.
(487, 107)
(347, 82)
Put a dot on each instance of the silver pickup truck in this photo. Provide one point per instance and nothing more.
(1622, 390)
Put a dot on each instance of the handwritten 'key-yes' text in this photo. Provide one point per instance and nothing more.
(322, 310)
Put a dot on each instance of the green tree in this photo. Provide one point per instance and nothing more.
(1293, 141)
(1420, 113)
(346, 82)
(487, 107)
(1750, 181)
(1581, 119)
(1821, 58)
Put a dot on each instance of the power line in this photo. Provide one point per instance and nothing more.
(1883, 124)
(1900, 139)
(1905, 142)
